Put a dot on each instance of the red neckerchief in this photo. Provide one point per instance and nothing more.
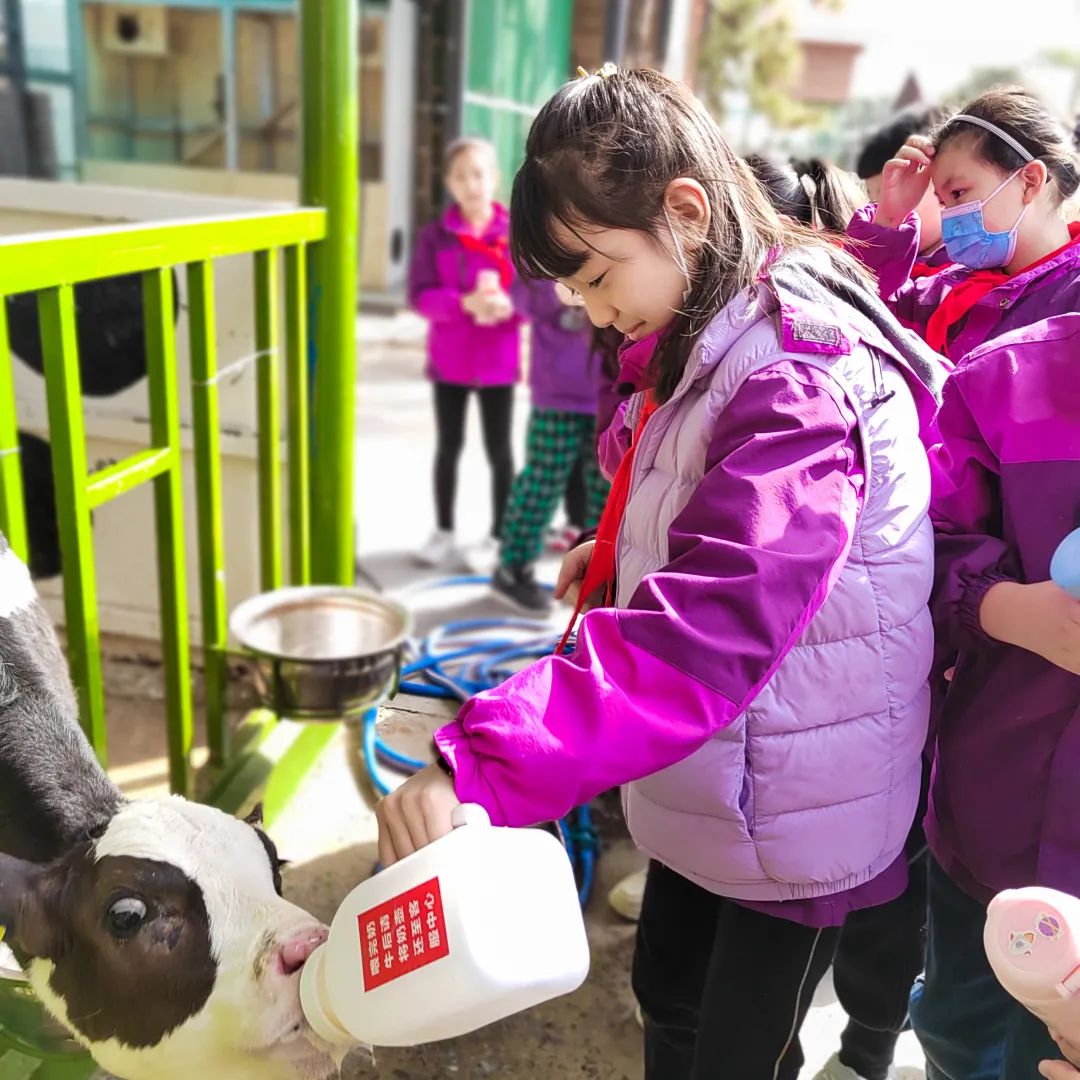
(925, 269)
(967, 293)
(601, 568)
(497, 250)
(958, 301)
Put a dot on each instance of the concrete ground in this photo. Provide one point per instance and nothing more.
(329, 832)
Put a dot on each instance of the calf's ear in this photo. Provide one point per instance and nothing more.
(31, 929)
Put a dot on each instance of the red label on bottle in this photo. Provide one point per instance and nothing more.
(403, 935)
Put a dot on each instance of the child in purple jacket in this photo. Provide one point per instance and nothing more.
(757, 677)
(1002, 170)
(459, 280)
(564, 373)
(881, 949)
(1003, 805)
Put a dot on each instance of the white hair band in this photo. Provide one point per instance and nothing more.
(995, 130)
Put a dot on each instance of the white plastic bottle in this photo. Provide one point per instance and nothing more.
(1032, 939)
(477, 926)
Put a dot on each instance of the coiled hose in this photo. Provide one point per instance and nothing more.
(456, 661)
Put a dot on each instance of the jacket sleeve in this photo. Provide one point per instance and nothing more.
(890, 254)
(428, 294)
(534, 301)
(971, 555)
(752, 557)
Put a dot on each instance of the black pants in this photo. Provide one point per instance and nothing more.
(723, 989)
(496, 416)
(968, 1026)
(882, 951)
(576, 496)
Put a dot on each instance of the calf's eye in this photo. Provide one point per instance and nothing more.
(126, 916)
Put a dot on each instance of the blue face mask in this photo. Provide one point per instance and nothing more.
(967, 239)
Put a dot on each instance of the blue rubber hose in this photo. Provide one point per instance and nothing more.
(456, 661)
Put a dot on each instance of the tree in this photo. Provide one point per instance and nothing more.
(982, 79)
(750, 47)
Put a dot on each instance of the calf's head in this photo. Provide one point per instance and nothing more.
(154, 931)
(165, 947)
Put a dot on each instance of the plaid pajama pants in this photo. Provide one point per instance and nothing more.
(556, 441)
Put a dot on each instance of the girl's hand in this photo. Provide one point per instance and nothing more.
(571, 575)
(1041, 618)
(499, 306)
(1070, 1051)
(418, 813)
(904, 181)
(487, 308)
(472, 303)
(1059, 1070)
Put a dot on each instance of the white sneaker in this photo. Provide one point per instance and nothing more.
(625, 899)
(481, 557)
(835, 1069)
(438, 551)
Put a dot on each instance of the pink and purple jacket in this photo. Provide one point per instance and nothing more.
(1006, 490)
(760, 686)
(1040, 293)
(442, 271)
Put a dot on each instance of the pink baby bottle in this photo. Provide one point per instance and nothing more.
(1031, 940)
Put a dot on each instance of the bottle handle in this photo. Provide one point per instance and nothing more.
(469, 814)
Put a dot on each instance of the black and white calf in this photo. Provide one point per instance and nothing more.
(154, 931)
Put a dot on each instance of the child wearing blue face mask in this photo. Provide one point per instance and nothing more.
(1001, 169)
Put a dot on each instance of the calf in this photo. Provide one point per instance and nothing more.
(154, 931)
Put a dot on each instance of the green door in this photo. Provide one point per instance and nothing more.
(517, 54)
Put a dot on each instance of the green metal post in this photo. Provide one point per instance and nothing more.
(231, 118)
(296, 370)
(269, 414)
(204, 407)
(77, 35)
(169, 519)
(63, 387)
(12, 506)
(331, 179)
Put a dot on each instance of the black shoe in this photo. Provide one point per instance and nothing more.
(518, 585)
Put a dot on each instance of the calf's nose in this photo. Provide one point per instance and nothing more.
(293, 954)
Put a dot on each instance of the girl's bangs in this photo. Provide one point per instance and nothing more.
(536, 207)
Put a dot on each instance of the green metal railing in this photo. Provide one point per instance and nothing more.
(318, 327)
(33, 264)
(318, 248)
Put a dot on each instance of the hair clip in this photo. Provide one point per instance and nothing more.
(604, 72)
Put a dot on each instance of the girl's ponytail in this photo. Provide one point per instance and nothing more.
(813, 192)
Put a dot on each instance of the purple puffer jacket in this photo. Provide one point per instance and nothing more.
(564, 375)
(1006, 489)
(1020, 300)
(442, 272)
(754, 571)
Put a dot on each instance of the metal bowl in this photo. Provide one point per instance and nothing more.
(322, 652)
